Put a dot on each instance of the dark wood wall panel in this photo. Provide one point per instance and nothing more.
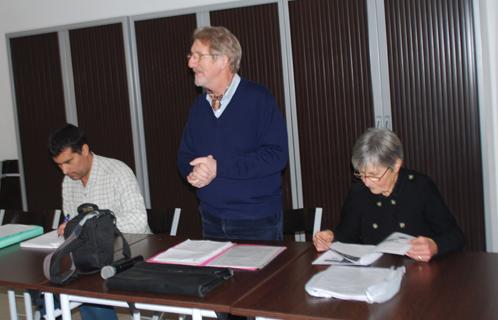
(433, 75)
(333, 95)
(167, 91)
(261, 54)
(101, 90)
(40, 108)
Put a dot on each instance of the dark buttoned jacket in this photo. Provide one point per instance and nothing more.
(414, 207)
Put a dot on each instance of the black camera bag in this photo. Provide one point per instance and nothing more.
(89, 243)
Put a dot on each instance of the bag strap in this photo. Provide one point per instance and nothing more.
(52, 262)
(126, 247)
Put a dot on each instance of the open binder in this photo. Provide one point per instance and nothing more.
(219, 254)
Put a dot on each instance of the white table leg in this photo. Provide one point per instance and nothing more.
(49, 305)
(28, 306)
(12, 304)
(65, 307)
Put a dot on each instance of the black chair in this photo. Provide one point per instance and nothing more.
(164, 220)
(302, 223)
(10, 185)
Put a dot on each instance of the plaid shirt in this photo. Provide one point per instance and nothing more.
(111, 185)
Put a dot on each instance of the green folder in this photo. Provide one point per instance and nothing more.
(14, 233)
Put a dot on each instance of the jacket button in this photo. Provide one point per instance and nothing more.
(393, 202)
(379, 204)
(402, 225)
(375, 226)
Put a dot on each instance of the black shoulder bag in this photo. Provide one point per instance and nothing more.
(89, 244)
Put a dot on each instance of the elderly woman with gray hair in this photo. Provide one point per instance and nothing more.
(388, 198)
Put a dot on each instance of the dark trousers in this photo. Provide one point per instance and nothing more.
(266, 228)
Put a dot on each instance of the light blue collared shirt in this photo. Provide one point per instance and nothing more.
(227, 96)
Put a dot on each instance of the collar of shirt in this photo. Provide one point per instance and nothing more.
(227, 96)
(94, 171)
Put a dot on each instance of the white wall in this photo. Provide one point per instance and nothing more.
(22, 15)
(488, 90)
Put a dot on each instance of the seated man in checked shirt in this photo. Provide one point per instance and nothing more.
(108, 183)
(89, 178)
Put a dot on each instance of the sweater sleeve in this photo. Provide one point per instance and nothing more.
(448, 235)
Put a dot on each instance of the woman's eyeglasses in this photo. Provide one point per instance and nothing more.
(369, 177)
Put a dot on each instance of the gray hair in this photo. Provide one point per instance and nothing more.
(376, 147)
(221, 41)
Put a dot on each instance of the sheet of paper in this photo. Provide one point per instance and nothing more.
(396, 243)
(192, 252)
(359, 254)
(247, 256)
(49, 240)
(349, 254)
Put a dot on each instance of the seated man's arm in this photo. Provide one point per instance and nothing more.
(131, 216)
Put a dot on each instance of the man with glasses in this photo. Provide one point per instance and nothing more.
(234, 145)
(387, 198)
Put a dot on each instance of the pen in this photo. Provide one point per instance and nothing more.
(343, 261)
(346, 256)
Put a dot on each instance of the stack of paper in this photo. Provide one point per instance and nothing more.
(357, 254)
(49, 240)
(14, 233)
(218, 254)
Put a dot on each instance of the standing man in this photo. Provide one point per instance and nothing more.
(234, 145)
(108, 183)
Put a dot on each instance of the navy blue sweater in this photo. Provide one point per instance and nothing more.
(249, 142)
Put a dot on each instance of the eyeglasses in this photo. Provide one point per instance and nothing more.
(371, 178)
(198, 56)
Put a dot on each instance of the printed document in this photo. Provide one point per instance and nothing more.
(49, 240)
(358, 254)
(246, 256)
(219, 254)
(192, 252)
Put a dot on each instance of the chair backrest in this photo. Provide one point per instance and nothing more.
(164, 220)
(49, 219)
(302, 222)
(10, 185)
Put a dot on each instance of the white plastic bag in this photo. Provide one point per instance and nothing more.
(356, 283)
